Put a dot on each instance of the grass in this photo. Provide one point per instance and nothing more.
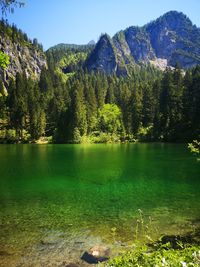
(169, 251)
(165, 255)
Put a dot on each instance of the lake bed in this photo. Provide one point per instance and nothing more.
(56, 201)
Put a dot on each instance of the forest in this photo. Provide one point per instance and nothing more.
(93, 107)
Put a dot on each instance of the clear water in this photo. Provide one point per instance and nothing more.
(58, 200)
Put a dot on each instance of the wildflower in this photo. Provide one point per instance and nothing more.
(163, 262)
(184, 264)
(194, 254)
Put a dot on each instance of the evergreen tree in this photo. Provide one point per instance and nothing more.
(125, 103)
(91, 107)
(37, 117)
(148, 105)
(78, 112)
(196, 101)
(18, 104)
(136, 104)
(166, 88)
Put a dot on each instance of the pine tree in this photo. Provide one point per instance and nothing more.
(136, 103)
(91, 107)
(149, 105)
(18, 104)
(78, 111)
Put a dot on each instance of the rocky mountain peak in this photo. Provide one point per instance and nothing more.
(92, 42)
(169, 39)
(175, 20)
(103, 56)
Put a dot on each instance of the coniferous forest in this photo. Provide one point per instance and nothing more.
(148, 105)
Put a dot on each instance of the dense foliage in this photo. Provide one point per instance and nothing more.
(4, 60)
(188, 256)
(99, 108)
(17, 36)
(68, 58)
(194, 147)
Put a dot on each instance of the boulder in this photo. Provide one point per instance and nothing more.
(96, 254)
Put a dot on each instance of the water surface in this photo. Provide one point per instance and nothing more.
(58, 200)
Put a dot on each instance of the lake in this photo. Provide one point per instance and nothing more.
(58, 200)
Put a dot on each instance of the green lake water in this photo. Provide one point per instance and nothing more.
(58, 200)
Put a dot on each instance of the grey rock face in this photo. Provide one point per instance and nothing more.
(123, 50)
(185, 60)
(103, 57)
(23, 58)
(139, 44)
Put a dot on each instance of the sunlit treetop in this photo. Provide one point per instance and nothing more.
(4, 60)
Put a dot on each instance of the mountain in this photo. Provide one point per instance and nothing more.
(24, 55)
(103, 56)
(74, 47)
(68, 58)
(170, 39)
(92, 42)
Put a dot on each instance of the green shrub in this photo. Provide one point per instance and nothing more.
(165, 256)
(194, 147)
(4, 60)
(145, 133)
(102, 137)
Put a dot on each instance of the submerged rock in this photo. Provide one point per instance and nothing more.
(4, 253)
(175, 240)
(96, 254)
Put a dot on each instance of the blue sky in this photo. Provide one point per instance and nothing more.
(79, 21)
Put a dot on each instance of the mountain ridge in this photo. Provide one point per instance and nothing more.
(163, 42)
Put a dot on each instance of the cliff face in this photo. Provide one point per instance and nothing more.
(170, 39)
(103, 56)
(139, 44)
(175, 38)
(22, 58)
(24, 55)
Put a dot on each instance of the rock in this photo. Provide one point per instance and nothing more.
(72, 265)
(172, 239)
(103, 56)
(24, 57)
(175, 240)
(96, 254)
(139, 44)
(92, 42)
(4, 253)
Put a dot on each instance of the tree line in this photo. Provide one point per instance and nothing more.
(94, 107)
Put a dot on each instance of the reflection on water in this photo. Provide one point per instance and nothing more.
(58, 200)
